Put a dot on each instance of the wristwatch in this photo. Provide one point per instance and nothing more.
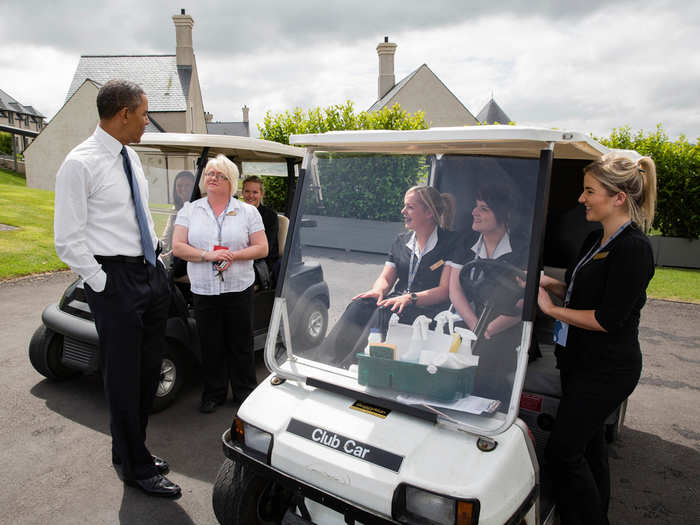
(201, 255)
(414, 298)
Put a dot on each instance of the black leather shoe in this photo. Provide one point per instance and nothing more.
(160, 463)
(209, 406)
(158, 485)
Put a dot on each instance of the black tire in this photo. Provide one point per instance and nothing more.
(45, 353)
(172, 376)
(242, 497)
(312, 324)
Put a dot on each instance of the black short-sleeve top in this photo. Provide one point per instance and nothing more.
(470, 246)
(436, 253)
(269, 217)
(613, 284)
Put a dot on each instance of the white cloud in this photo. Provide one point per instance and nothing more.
(588, 68)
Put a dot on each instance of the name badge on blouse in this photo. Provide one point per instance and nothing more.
(232, 213)
(561, 332)
(437, 265)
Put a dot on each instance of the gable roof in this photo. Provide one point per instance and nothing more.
(8, 103)
(492, 113)
(240, 129)
(166, 84)
(386, 99)
(379, 104)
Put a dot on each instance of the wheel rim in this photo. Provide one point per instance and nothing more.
(315, 324)
(168, 374)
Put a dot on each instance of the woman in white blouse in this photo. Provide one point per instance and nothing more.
(220, 237)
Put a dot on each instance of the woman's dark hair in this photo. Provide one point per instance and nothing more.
(498, 195)
(176, 198)
(118, 94)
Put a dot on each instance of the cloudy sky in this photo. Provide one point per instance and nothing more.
(588, 66)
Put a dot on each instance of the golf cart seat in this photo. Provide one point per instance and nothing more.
(282, 227)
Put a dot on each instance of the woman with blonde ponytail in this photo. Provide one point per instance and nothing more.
(413, 282)
(596, 330)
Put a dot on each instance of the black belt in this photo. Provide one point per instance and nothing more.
(132, 259)
(139, 259)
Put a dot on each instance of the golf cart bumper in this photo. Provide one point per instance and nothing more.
(80, 339)
(69, 325)
(350, 511)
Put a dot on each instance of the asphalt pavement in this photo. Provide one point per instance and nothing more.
(54, 437)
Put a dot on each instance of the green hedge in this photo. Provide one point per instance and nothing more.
(678, 178)
(349, 187)
(5, 143)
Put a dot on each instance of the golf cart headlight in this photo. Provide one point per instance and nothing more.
(252, 437)
(422, 506)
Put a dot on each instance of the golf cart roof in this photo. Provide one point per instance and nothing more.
(245, 149)
(512, 141)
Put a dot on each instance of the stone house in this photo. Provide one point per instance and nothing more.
(174, 96)
(419, 90)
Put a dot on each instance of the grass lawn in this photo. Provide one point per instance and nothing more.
(30, 248)
(675, 284)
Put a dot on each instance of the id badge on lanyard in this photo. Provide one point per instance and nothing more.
(412, 271)
(561, 329)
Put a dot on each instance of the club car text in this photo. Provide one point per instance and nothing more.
(345, 445)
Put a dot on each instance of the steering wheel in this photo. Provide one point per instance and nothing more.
(493, 284)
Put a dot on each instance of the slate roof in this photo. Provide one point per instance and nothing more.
(379, 104)
(166, 84)
(240, 129)
(491, 113)
(8, 103)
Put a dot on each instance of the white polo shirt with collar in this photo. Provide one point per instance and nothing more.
(238, 222)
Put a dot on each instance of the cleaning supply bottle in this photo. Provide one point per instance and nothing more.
(418, 338)
(375, 336)
(465, 348)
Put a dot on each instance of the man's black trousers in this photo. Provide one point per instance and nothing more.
(130, 317)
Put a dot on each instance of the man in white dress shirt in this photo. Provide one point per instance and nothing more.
(104, 232)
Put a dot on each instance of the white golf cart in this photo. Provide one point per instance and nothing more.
(399, 438)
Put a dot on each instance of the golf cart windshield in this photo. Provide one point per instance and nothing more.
(455, 344)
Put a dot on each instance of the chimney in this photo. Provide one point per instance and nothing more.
(245, 109)
(386, 51)
(183, 38)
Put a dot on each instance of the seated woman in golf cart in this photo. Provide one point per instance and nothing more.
(413, 282)
(500, 335)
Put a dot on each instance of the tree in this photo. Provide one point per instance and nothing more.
(335, 118)
(678, 177)
(5, 143)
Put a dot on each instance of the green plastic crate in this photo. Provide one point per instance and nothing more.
(446, 385)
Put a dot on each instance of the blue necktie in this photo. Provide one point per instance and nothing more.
(146, 242)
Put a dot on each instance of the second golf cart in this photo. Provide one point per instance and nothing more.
(66, 344)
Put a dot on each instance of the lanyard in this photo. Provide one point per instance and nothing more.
(411, 270)
(591, 253)
(219, 225)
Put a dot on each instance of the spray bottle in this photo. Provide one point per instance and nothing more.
(418, 338)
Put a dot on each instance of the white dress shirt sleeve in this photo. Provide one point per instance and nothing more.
(70, 220)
